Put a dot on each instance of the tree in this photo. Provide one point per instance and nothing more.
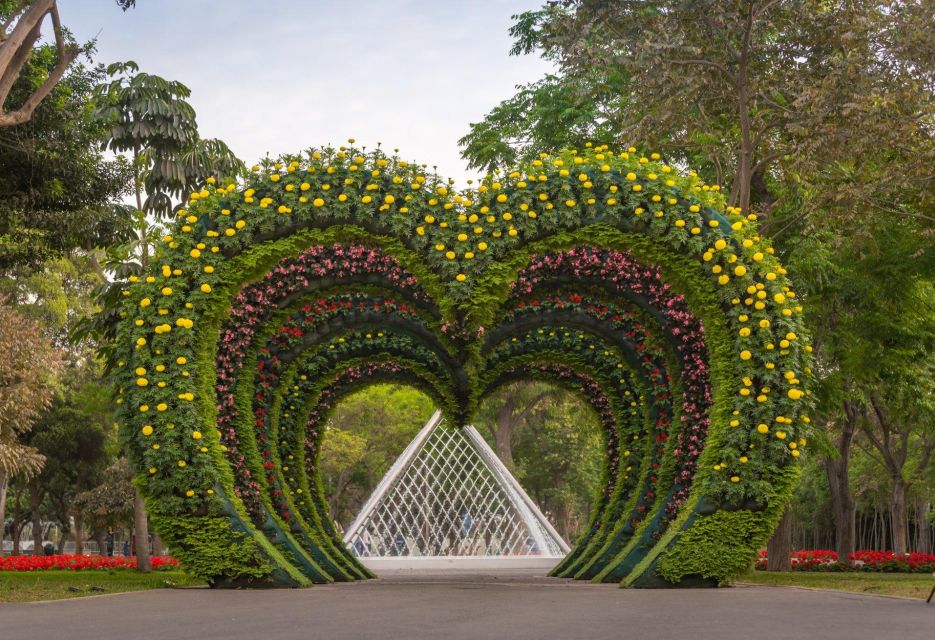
(28, 364)
(798, 90)
(56, 187)
(76, 437)
(815, 115)
(505, 413)
(557, 112)
(559, 458)
(110, 503)
(902, 441)
(341, 452)
(22, 23)
(366, 433)
(149, 117)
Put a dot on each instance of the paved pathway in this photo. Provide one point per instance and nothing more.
(517, 606)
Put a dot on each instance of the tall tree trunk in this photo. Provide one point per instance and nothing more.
(503, 432)
(79, 535)
(563, 520)
(843, 507)
(923, 527)
(143, 561)
(780, 545)
(4, 488)
(898, 517)
(100, 537)
(35, 503)
(18, 523)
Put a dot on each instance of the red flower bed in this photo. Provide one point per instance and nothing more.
(79, 563)
(822, 560)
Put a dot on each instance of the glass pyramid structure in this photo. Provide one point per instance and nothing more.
(448, 495)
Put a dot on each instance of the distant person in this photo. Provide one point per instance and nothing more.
(467, 523)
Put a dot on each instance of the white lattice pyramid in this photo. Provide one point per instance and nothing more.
(448, 495)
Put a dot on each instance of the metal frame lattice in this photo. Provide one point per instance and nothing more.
(449, 495)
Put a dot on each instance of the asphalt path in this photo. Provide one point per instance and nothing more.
(515, 606)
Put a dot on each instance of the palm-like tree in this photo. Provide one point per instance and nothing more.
(151, 120)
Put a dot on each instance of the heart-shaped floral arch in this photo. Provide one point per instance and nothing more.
(611, 274)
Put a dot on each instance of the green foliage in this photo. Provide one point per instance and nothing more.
(551, 114)
(211, 551)
(465, 250)
(149, 116)
(365, 434)
(724, 544)
(559, 460)
(719, 546)
(56, 186)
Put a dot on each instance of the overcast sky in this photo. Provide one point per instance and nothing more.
(281, 76)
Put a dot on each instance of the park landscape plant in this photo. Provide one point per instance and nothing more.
(426, 276)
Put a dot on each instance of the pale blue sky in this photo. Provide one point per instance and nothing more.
(282, 76)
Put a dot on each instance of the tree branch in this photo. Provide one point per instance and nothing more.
(15, 51)
(760, 165)
(704, 63)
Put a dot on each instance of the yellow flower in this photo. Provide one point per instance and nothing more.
(460, 277)
(162, 406)
(795, 394)
(318, 202)
(181, 360)
(206, 288)
(145, 302)
(147, 430)
(142, 382)
(195, 253)
(189, 493)
(762, 428)
(196, 435)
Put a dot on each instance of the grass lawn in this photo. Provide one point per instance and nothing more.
(29, 586)
(910, 585)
